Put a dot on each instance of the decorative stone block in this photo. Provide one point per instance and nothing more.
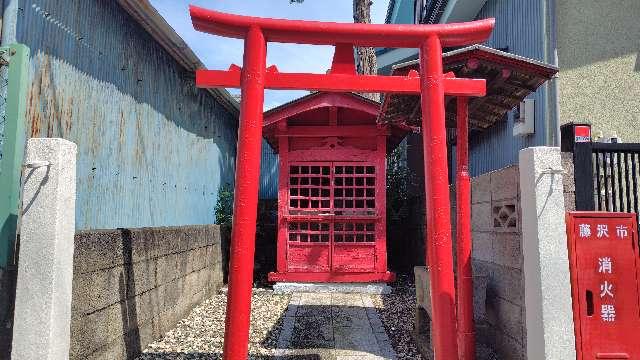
(505, 215)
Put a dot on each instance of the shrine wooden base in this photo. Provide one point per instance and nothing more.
(386, 277)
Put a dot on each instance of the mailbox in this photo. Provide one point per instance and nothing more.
(603, 258)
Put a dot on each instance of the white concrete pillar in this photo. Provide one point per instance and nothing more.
(549, 316)
(42, 317)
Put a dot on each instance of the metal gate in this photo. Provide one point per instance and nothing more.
(607, 177)
(332, 217)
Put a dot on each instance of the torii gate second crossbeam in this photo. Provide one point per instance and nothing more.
(254, 77)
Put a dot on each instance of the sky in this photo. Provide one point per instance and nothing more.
(218, 52)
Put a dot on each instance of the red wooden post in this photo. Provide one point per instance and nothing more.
(466, 331)
(283, 199)
(245, 207)
(439, 249)
(381, 204)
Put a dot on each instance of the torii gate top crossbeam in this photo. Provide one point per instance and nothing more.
(342, 76)
(331, 33)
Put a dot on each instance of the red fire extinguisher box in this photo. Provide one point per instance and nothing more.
(604, 264)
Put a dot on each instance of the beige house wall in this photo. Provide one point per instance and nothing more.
(598, 54)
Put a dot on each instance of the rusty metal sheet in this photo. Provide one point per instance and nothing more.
(152, 149)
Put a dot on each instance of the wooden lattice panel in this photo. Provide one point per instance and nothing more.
(332, 217)
(309, 188)
(354, 246)
(354, 232)
(354, 189)
(309, 232)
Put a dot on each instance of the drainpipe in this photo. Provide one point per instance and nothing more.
(9, 22)
(1, 16)
(551, 56)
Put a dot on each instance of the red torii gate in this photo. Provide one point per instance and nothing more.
(432, 86)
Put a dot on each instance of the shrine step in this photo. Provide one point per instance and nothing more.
(345, 288)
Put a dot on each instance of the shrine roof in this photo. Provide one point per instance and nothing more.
(315, 110)
(510, 78)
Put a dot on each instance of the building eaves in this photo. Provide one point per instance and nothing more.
(509, 79)
(149, 18)
(483, 49)
(435, 11)
(392, 5)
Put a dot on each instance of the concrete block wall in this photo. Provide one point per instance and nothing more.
(130, 286)
(497, 236)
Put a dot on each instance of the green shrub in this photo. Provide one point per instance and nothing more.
(399, 181)
(224, 205)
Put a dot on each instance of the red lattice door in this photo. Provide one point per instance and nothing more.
(332, 217)
(354, 225)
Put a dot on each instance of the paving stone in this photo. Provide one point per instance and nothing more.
(315, 299)
(314, 311)
(349, 311)
(346, 299)
(344, 320)
(355, 339)
(354, 354)
(312, 332)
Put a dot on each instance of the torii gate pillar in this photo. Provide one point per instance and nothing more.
(433, 85)
(243, 231)
(436, 188)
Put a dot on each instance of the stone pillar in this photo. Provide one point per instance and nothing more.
(45, 270)
(549, 316)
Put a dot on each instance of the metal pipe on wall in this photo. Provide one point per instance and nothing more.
(551, 57)
(9, 22)
(1, 18)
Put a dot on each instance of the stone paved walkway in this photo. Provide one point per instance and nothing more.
(333, 326)
(301, 326)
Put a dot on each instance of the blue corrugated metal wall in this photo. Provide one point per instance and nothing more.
(520, 29)
(268, 172)
(152, 149)
(403, 12)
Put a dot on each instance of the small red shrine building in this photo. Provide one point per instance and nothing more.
(331, 188)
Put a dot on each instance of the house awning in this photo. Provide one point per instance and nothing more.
(510, 78)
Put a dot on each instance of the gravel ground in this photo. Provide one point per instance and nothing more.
(397, 311)
(201, 334)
